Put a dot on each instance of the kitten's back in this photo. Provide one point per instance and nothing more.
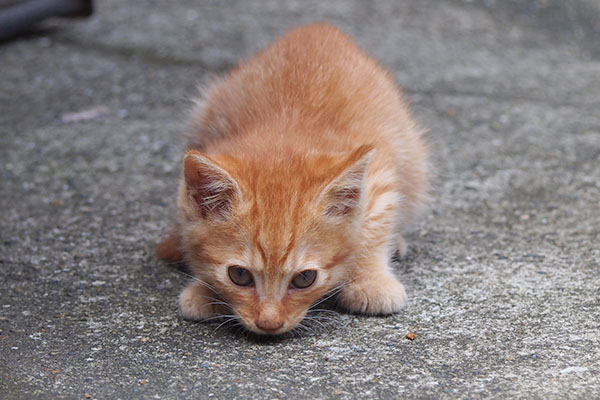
(314, 90)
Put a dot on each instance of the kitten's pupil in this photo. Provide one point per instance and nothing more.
(240, 276)
(304, 279)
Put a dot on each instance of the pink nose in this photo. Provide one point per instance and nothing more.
(269, 326)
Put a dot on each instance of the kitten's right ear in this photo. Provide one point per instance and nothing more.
(210, 188)
(344, 194)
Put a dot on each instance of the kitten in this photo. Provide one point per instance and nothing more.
(303, 172)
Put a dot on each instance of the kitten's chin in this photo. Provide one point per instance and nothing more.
(269, 323)
(269, 331)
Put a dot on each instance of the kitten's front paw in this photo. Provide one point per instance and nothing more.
(375, 296)
(197, 303)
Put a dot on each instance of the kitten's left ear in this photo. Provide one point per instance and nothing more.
(343, 195)
(209, 187)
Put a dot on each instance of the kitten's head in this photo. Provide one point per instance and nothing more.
(272, 237)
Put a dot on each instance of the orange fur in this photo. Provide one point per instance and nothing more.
(303, 157)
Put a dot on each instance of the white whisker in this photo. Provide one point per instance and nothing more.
(228, 320)
(329, 294)
(322, 325)
(228, 316)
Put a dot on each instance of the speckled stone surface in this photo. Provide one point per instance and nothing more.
(503, 273)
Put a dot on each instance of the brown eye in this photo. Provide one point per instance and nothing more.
(240, 276)
(304, 279)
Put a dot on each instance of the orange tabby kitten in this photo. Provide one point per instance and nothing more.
(304, 170)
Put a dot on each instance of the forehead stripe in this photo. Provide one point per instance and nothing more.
(288, 249)
(263, 255)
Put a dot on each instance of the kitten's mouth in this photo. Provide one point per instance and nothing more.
(269, 330)
(267, 327)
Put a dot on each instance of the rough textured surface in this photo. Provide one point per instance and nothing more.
(503, 273)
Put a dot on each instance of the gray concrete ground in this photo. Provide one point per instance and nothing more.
(503, 273)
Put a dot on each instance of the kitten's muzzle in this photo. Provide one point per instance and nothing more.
(269, 326)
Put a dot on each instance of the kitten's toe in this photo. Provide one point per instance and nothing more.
(401, 247)
(382, 296)
(195, 304)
